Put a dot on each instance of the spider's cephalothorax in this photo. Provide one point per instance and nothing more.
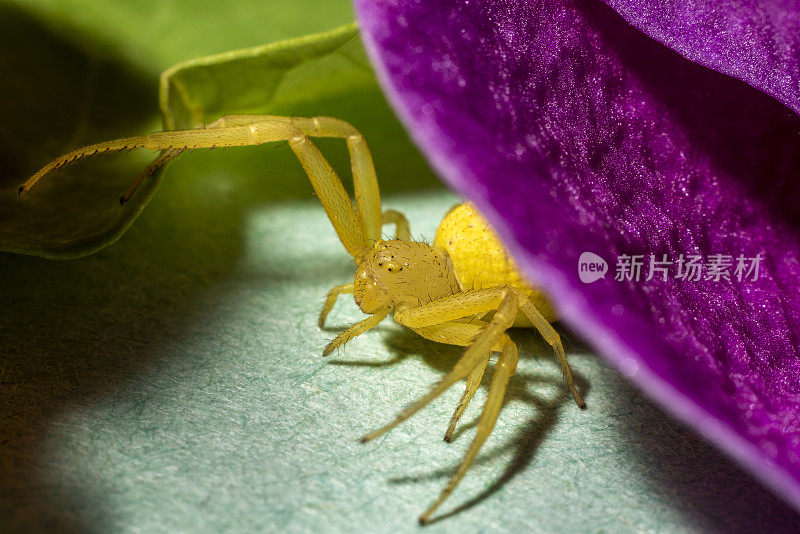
(464, 290)
(403, 274)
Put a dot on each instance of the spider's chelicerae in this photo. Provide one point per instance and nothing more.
(463, 290)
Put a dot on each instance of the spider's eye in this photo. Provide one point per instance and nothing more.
(380, 264)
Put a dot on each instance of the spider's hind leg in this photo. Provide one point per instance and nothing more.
(493, 336)
(554, 340)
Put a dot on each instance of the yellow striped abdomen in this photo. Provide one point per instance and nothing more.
(480, 260)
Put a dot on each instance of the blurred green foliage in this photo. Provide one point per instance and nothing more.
(86, 71)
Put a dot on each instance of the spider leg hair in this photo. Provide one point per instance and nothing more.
(355, 330)
(357, 229)
(165, 157)
(330, 301)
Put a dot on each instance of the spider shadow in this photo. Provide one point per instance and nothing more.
(404, 343)
(708, 488)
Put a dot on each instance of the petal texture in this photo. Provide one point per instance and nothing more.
(575, 132)
(755, 41)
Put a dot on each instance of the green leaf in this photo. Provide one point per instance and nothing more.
(74, 211)
(321, 74)
(59, 97)
(153, 35)
(266, 77)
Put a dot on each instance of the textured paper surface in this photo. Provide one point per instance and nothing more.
(173, 382)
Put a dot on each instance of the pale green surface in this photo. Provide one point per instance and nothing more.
(173, 382)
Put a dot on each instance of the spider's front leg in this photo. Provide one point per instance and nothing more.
(355, 330)
(357, 228)
(171, 154)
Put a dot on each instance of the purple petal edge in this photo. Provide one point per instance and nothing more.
(757, 42)
(634, 150)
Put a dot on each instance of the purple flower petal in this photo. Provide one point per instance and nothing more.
(573, 132)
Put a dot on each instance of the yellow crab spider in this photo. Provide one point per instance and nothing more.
(464, 290)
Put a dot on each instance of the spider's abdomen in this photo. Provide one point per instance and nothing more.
(479, 259)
